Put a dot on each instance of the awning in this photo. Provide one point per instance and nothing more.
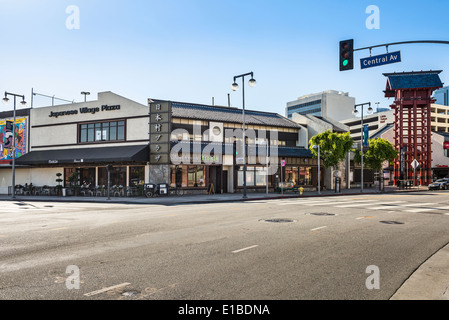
(138, 153)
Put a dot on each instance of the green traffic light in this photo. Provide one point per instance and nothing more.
(345, 63)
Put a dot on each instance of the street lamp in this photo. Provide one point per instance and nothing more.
(356, 113)
(235, 87)
(23, 103)
(85, 94)
(319, 169)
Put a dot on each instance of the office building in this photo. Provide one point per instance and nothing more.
(329, 104)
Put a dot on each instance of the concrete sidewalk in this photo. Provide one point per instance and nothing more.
(214, 198)
(429, 282)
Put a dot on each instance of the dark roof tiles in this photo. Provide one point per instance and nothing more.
(227, 114)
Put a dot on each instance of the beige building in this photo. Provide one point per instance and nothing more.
(440, 118)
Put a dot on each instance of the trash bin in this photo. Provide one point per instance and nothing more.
(149, 190)
(64, 192)
(163, 189)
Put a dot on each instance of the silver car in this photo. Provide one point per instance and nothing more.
(440, 184)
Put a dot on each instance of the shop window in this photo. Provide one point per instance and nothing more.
(136, 176)
(255, 176)
(118, 176)
(102, 131)
(196, 176)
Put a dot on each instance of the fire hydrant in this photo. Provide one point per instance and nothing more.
(301, 191)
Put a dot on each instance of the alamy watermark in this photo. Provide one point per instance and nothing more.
(373, 281)
(253, 152)
(373, 20)
(73, 280)
(73, 20)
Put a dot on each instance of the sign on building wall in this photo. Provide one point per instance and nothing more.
(160, 130)
(6, 139)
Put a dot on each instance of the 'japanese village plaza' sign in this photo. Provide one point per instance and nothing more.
(84, 110)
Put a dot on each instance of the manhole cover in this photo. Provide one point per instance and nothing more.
(279, 220)
(324, 214)
(391, 222)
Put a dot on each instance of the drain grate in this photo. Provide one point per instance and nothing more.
(280, 220)
(391, 222)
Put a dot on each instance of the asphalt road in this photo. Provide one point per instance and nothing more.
(326, 248)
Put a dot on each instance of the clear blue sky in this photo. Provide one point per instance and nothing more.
(189, 50)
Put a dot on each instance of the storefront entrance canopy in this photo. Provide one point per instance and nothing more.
(86, 155)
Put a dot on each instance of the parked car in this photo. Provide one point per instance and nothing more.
(440, 184)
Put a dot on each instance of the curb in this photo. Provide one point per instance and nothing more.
(170, 202)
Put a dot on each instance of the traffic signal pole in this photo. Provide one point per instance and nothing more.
(403, 42)
(347, 50)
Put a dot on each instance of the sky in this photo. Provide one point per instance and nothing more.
(190, 50)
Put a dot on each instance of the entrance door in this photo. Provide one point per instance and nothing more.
(215, 178)
(225, 182)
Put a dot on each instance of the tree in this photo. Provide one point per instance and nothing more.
(334, 147)
(380, 151)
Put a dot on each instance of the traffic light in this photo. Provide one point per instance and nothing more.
(347, 55)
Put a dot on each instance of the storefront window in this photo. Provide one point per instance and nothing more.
(178, 176)
(305, 176)
(118, 176)
(261, 176)
(136, 176)
(255, 176)
(299, 176)
(196, 176)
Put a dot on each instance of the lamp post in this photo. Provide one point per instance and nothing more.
(356, 112)
(23, 102)
(319, 169)
(85, 95)
(235, 87)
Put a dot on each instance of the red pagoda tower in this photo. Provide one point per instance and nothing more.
(412, 92)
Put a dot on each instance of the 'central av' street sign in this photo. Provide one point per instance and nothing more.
(383, 59)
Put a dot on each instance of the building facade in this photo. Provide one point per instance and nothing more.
(330, 104)
(442, 96)
(185, 145)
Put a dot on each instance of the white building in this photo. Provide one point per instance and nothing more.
(330, 104)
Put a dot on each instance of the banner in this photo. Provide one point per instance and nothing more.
(6, 139)
(365, 135)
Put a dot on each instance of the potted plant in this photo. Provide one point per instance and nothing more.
(59, 181)
(74, 180)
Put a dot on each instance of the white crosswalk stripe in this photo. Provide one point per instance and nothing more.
(368, 204)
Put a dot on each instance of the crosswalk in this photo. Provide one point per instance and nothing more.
(368, 204)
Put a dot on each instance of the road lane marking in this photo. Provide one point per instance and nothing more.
(418, 210)
(244, 249)
(320, 228)
(385, 205)
(359, 203)
(93, 293)
(418, 204)
(311, 202)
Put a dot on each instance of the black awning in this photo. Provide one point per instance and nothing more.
(138, 153)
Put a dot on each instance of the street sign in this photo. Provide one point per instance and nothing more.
(415, 164)
(283, 163)
(383, 59)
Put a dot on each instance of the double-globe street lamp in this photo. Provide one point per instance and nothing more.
(356, 113)
(23, 102)
(235, 87)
